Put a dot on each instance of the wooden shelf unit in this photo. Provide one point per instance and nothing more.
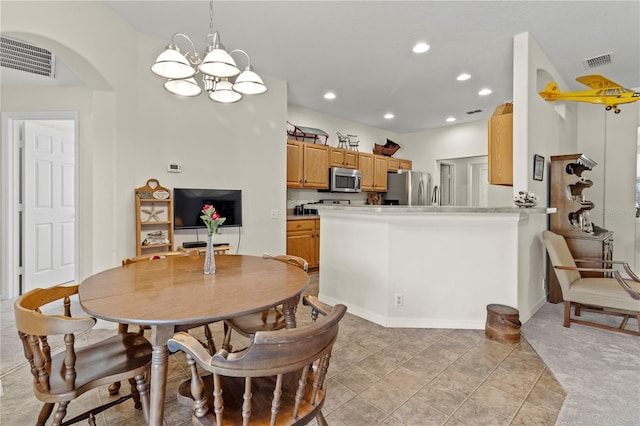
(153, 215)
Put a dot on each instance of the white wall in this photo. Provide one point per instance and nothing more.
(426, 147)
(538, 127)
(611, 140)
(367, 135)
(130, 128)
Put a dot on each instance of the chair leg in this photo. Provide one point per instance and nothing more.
(321, 420)
(210, 343)
(45, 412)
(226, 342)
(143, 391)
(567, 313)
(578, 309)
(638, 319)
(135, 395)
(60, 413)
(114, 388)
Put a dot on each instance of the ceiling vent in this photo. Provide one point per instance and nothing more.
(22, 56)
(475, 111)
(597, 61)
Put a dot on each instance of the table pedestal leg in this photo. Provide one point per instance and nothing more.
(159, 367)
(289, 311)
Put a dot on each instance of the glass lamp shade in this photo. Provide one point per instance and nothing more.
(183, 87)
(249, 83)
(224, 93)
(172, 64)
(219, 63)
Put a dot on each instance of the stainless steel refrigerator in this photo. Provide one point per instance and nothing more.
(408, 188)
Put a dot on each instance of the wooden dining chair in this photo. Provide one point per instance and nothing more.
(63, 377)
(279, 379)
(611, 294)
(267, 320)
(159, 255)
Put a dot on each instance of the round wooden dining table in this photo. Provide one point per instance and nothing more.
(174, 291)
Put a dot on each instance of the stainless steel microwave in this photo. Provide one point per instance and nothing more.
(344, 180)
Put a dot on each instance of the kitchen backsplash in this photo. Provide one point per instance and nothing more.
(296, 197)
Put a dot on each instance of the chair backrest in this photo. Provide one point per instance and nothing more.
(34, 328)
(288, 258)
(159, 255)
(299, 356)
(560, 256)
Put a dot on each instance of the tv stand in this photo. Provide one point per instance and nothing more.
(194, 244)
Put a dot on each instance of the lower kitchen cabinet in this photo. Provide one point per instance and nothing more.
(303, 240)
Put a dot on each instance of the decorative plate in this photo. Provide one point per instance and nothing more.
(161, 194)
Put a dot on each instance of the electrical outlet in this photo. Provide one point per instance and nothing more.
(274, 214)
(399, 299)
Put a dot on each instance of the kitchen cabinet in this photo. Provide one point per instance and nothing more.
(380, 169)
(365, 163)
(394, 164)
(374, 170)
(500, 149)
(344, 158)
(585, 241)
(303, 240)
(307, 165)
(154, 218)
(406, 164)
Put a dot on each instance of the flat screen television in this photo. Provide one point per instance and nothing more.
(188, 204)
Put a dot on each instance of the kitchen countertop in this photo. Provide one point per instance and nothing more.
(432, 209)
(302, 216)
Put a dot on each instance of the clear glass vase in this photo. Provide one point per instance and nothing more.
(209, 260)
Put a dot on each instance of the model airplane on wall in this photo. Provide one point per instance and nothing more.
(603, 91)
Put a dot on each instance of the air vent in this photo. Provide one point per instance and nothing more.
(475, 111)
(22, 56)
(597, 61)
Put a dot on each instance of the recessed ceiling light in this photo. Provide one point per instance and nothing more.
(329, 95)
(462, 77)
(421, 48)
(388, 116)
(484, 92)
(450, 119)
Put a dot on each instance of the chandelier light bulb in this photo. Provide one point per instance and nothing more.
(249, 83)
(224, 93)
(218, 63)
(172, 64)
(183, 87)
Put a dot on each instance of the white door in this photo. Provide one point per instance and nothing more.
(447, 184)
(49, 207)
(479, 184)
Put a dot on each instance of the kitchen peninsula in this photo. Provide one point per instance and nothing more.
(432, 267)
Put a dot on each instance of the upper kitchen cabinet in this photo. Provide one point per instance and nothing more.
(374, 171)
(406, 165)
(380, 169)
(344, 158)
(500, 148)
(396, 164)
(307, 165)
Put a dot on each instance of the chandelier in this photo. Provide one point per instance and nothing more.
(221, 78)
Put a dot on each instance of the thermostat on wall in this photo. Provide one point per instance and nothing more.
(174, 168)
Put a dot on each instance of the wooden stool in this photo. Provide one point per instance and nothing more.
(503, 323)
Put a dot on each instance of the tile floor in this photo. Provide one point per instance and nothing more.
(378, 376)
